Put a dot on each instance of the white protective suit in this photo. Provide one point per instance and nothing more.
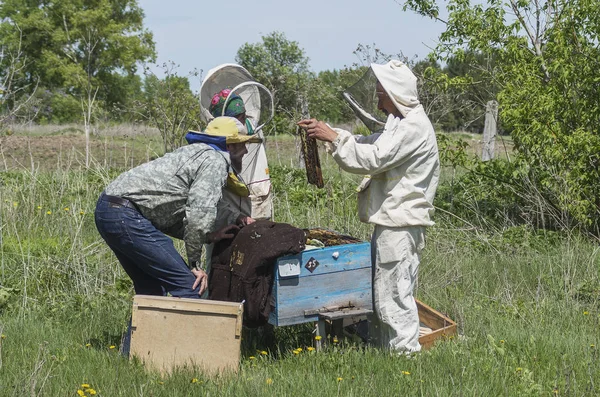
(402, 169)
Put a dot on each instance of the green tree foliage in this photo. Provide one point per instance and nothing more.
(325, 94)
(546, 60)
(282, 66)
(459, 106)
(78, 46)
(170, 105)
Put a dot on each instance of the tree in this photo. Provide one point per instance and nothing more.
(13, 82)
(77, 45)
(546, 57)
(282, 66)
(170, 105)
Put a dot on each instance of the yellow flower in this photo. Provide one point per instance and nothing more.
(335, 339)
(81, 213)
(405, 373)
(269, 381)
(519, 369)
(160, 382)
(112, 347)
(585, 313)
(48, 212)
(264, 353)
(66, 208)
(91, 391)
(592, 345)
(340, 379)
(85, 386)
(310, 348)
(88, 345)
(296, 352)
(81, 393)
(299, 349)
(195, 380)
(39, 207)
(4, 337)
(318, 337)
(252, 357)
(15, 204)
(501, 340)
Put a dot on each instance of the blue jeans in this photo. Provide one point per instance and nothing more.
(147, 255)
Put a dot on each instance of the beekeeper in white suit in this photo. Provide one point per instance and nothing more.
(402, 169)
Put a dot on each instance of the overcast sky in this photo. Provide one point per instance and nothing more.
(202, 34)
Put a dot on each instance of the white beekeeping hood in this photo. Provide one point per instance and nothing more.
(258, 100)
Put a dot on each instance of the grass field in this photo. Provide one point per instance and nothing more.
(527, 302)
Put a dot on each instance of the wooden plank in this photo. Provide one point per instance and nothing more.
(186, 304)
(169, 332)
(428, 340)
(336, 315)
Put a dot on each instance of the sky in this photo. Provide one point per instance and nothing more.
(198, 34)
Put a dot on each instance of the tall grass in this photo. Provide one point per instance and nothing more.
(527, 302)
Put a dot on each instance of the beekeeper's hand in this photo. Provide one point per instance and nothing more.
(244, 220)
(221, 234)
(318, 130)
(201, 280)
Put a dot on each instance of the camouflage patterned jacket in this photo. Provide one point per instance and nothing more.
(179, 193)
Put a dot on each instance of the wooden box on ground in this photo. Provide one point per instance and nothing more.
(441, 326)
(320, 280)
(169, 332)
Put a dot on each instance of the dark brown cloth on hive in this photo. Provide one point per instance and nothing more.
(243, 268)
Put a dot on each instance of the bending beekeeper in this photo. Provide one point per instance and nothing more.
(401, 168)
(179, 195)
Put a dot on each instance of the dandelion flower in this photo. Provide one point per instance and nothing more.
(299, 349)
(269, 381)
(88, 345)
(585, 313)
(80, 393)
(15, 204)
(66, 208)
(592, 345)
(4, 337)
(252, 357)
(310, 348)
(405, 373)
(263, 352)
(519, 369)
(195, 380)
(160, 382)
(501, 340)
(39, 207)
(335, 339)
(296, 352)
(85, 386)
(112, 347)
(91, 391)
(318, 337)
(48, 212)
(339, 379)
(81, 213)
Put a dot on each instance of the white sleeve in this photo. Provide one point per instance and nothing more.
(398, 142)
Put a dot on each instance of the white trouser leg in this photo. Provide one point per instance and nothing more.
(396, 256)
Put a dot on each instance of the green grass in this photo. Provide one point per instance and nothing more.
(527, 302)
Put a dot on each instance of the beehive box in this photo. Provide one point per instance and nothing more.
(168, 332)
(321, 279)
(440, 326)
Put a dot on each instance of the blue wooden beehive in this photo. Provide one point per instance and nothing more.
(321, 279)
